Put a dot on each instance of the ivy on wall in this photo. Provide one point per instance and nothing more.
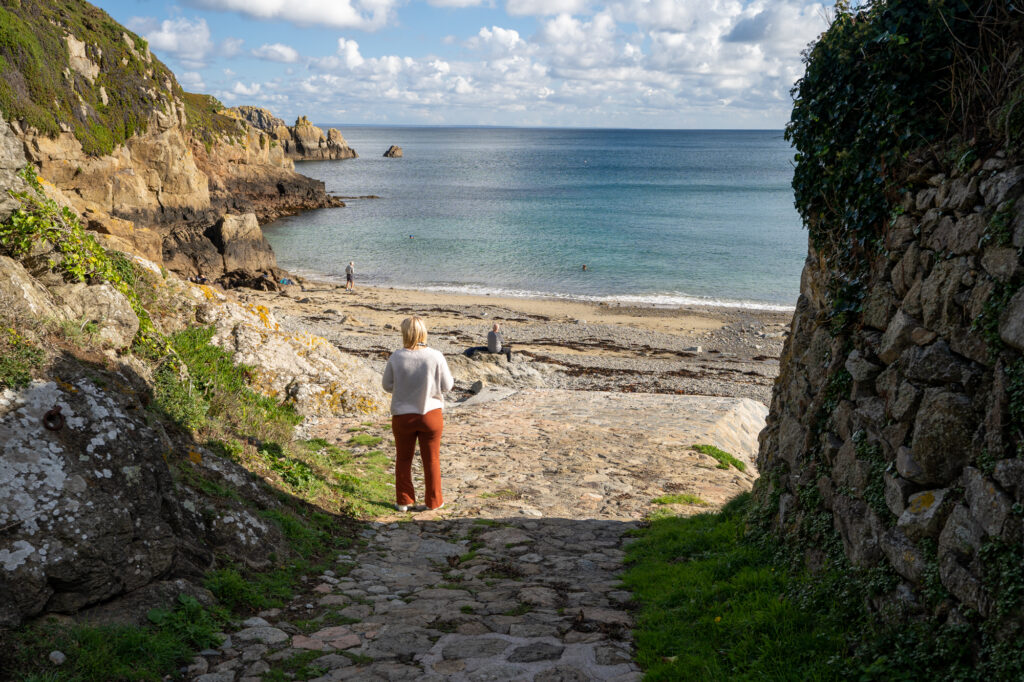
(883, 81)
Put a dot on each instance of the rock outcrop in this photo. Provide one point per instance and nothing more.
(90, 509)
(300, 142)
(907, 426)
(137, 156)
(393, 152)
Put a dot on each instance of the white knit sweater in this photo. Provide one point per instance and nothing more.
(416, 380)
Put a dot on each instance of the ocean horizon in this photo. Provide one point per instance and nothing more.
(659, 217)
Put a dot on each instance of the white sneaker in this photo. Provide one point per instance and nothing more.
(440, 506)
(402, 507)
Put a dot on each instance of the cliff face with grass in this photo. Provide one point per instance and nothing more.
(895, 443)
(108, 125)
(133, 408)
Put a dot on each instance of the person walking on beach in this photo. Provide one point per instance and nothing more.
(349, 272)
(417, 377)
(495, 344)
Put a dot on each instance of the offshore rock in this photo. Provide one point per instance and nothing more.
(393, 152)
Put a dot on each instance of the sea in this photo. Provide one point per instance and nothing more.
(658, 217)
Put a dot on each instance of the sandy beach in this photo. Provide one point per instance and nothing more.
(566, 344)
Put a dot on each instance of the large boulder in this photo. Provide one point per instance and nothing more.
(22, 296)
(126, 236)
(492, 369)
(103, 306)
(12, 160)
(88, 506)
(393, 152)
(241, 244)
(298, 368)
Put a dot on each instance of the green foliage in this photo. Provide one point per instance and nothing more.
(205, 120)
(874, 491)
(719, 602)
(116, 652)
(238, 593)
(18, 357)
(297, 667)
(38, 87)
(177, 398)
(40, 223)
(681, 498)
(725, 460)
(883, 81)
(307, 536)
(1000, 226)
(201, 388)
(365, 440)
(1015, 400)
(713, 607)
(986, 324)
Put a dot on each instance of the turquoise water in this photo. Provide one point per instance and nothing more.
(660, 217)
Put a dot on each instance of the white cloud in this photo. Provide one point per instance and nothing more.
(186, 40)
(661, 63)
(455, 3)
(246, 90)
(191, 80)
(349, 50)
(545, 7)
(277, 52)
(229, 47)
(367, 15)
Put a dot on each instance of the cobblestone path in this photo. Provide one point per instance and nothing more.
(517, 577)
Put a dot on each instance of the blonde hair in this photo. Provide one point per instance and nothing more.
(414, 332)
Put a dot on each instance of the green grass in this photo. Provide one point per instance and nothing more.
(501, 495)
(18, 358)
(212, 396)
(713, 607)
(725, 460)
(365, 440)
(114, 652)
(680, 498)
(33, 60)
(719, 600)
(297, 667)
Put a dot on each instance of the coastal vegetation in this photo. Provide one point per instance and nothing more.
(41, 85)
(885, 82)
(720, 599)
(203, 399)
(724, 459)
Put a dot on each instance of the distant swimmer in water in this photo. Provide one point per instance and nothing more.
(584, 267)
(410, 236)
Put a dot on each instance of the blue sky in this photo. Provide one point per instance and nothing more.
(585, 63)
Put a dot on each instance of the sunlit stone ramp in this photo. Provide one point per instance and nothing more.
(518, 576)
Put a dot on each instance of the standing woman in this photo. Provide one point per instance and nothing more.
(417, 377)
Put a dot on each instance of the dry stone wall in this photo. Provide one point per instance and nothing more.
(903, 431)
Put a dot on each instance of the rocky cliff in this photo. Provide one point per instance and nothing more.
(894, 441)
(103, 493)
(300, 142)
(167, 161)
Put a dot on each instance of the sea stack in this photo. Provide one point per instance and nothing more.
(393, 152)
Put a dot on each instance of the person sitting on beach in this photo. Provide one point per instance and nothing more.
(495, 344)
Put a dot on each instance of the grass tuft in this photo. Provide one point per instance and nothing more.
(681, 498)
(725, 460)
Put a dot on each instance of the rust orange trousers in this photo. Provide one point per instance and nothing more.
(426, 428)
